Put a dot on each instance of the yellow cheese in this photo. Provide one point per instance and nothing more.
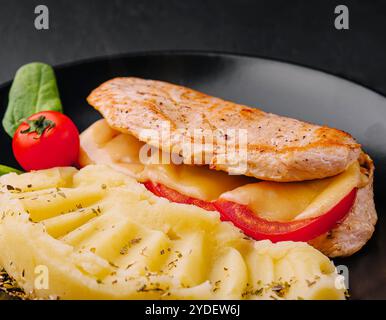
(270, 200)
(296, 200)
(102, 145)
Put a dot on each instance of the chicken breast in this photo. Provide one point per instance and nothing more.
(277, 148)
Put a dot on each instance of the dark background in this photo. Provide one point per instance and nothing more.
(297, 31)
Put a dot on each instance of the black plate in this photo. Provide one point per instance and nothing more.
(274, 86)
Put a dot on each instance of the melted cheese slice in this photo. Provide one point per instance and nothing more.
(102, 145)
(296, 200)
(270, 200)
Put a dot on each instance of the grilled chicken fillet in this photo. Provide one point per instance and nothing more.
(279, 148)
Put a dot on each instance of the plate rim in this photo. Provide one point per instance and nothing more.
(202, 53)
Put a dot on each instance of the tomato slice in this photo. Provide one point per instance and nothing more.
(257, 228)
(161, 190)
(297, 230)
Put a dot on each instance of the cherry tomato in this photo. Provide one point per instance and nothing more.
(257, 228)
(45, 140)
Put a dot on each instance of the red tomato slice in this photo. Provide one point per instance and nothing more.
(161, 190)
(257, 228)
(297, 230)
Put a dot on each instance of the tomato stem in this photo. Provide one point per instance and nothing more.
(38, 125)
